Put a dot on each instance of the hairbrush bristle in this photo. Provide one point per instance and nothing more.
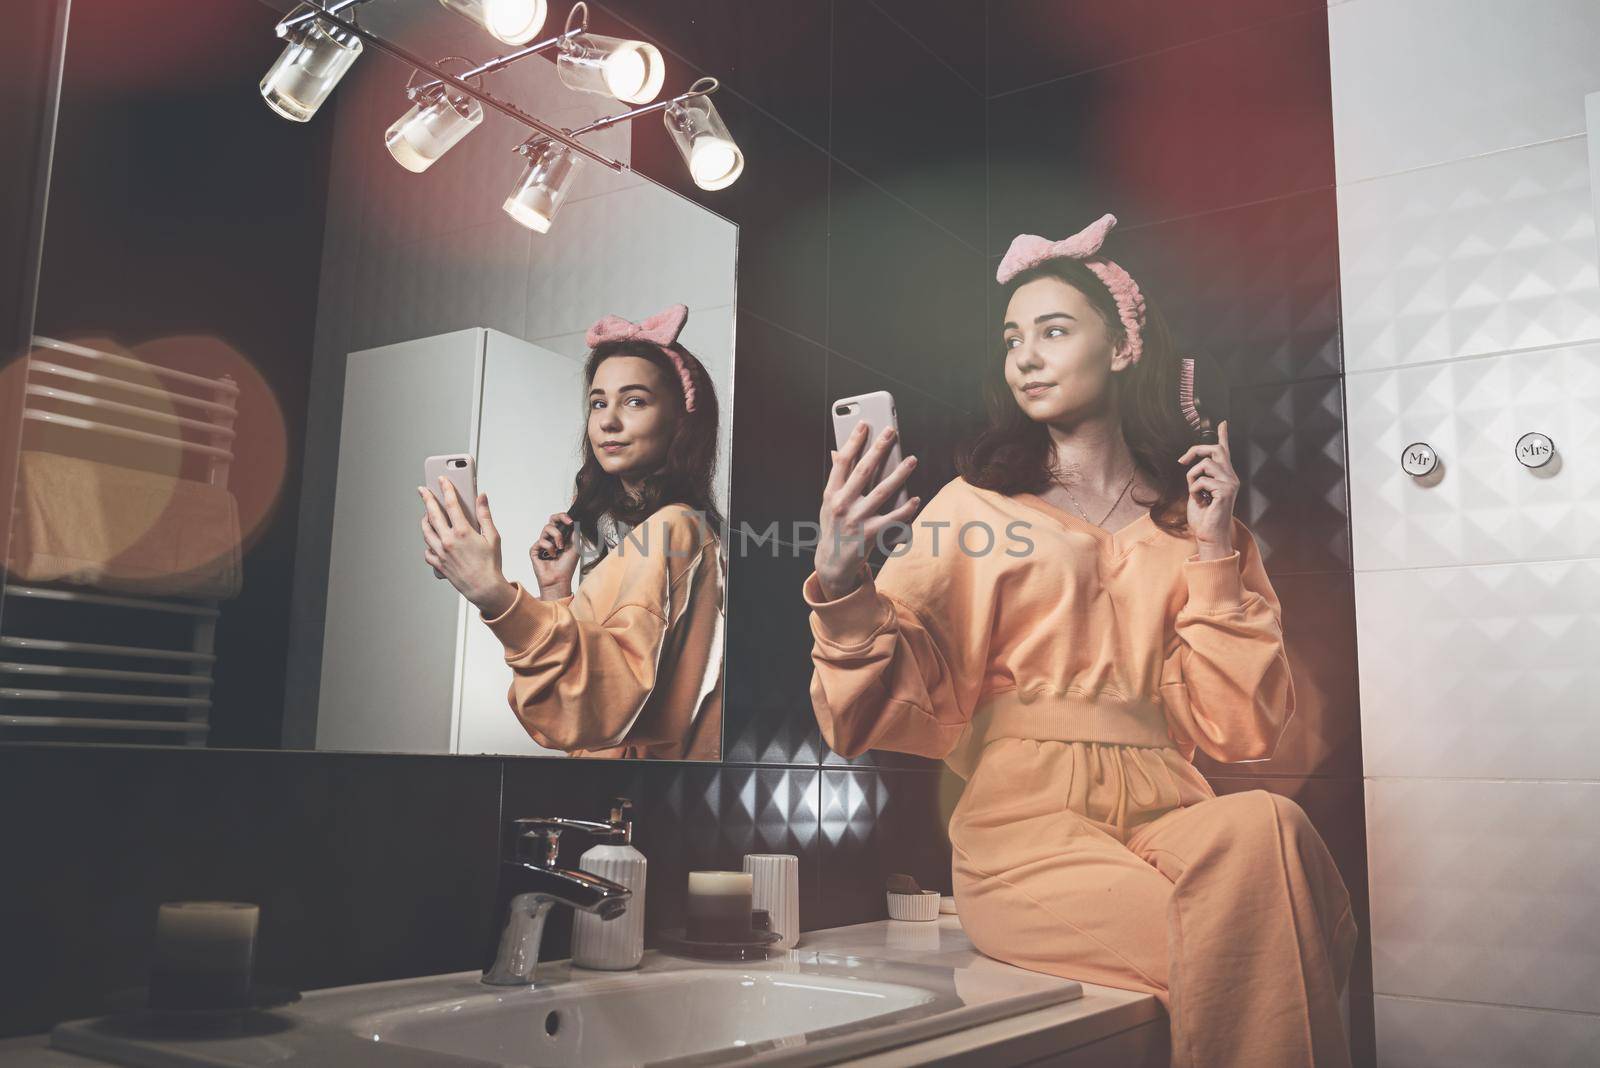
(1186, 393)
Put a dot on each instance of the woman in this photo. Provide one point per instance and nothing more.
(631, 664)
(1116, 622)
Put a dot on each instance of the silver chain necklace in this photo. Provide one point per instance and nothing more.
(1114, 503)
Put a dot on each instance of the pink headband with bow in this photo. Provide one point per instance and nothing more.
(1030, 250)
(661, 330)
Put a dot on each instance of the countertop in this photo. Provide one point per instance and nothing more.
(1099, 1013)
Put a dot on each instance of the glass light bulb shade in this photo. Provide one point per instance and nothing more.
(630, 71)
(709, 150)
(512, 22)
(431, 128)
(310, 66)
(542, 186)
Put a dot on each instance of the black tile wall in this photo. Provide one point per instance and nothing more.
(1213, 124)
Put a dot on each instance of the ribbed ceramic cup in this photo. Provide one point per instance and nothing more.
(775, 879)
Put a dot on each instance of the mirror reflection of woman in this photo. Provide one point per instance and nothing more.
(629, 665)
(1070, 672)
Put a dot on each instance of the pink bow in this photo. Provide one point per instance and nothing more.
(1030, 250)
(661, 328)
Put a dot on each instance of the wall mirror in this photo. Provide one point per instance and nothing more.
(251, 332)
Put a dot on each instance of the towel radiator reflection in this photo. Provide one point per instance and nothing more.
(62, 688)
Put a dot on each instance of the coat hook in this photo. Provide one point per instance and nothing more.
(1418, 459)
(1535, 450)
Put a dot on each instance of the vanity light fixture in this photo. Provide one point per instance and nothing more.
(630, 71)
(510, 22)
(439, 117)
(548, 173)
(318, 54)
(542, 185)
(446, 107)
(715, 161)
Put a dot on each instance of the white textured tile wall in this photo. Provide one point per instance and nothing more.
(1481, 672)
(1416, 1033)
(1487, 891)
(1470, 289)
(1419, 82)
(1481, 505)
(1482, 255)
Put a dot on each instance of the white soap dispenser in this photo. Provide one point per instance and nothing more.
(613, 945)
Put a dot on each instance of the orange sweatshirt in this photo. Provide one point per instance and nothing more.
(1060, 631)
(631, 664)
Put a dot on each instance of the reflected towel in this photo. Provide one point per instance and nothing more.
(123, 529)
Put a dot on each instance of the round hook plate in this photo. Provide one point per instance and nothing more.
(1418, 458)
(1535, 450)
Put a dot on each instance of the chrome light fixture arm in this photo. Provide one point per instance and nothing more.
(441, 77)
(699, 88)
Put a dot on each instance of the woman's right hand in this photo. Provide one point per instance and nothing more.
(558, 542)
(850, 521)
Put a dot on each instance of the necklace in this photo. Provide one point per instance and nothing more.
(1114, 503)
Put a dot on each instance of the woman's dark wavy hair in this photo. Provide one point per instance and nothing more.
(685, 477)
(1014, 454)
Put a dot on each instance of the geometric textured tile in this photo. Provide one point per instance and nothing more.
(1478, 256)
(1417, 1033)
(1324, 736)
(1480, 505)
(1287, 444)
(877, 823)
(1417, 82)
(1255, 288)
(1484, 891)
(1481, 672)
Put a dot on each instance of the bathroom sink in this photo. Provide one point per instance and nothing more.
(851, 991)
(640, 1019)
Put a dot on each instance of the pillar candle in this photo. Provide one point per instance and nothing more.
(719, 906)
(204, 954)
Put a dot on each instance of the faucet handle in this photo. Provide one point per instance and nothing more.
(539, 837)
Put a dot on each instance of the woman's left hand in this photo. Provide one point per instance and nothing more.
(1212, 524)
(470, 560)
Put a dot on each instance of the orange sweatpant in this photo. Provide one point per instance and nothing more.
(1104, 864)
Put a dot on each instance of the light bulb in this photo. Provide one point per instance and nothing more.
(317, 55)
(702, 138)
(630, 71)
(431, 128)
(511, 22)
(542, 186)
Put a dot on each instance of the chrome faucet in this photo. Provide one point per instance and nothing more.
(531, 883)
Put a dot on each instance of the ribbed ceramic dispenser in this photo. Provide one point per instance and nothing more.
(618, 944)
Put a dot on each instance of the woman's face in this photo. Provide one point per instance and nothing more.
(1059, 353)
(632, 415)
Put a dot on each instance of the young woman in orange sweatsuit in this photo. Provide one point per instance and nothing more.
(1069, 620)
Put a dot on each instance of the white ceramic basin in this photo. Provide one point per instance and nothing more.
(847, 992)
(639, 1019)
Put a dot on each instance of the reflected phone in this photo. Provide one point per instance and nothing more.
(877, 410)
(462, 471)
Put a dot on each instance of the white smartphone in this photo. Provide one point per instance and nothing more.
(462, 471)
(877, 410)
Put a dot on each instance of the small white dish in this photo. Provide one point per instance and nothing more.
(947, 906)
(923, 906)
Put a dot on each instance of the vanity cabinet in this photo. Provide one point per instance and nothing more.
(407, 665)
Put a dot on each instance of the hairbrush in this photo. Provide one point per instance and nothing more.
(1203, 401)
(566, 529)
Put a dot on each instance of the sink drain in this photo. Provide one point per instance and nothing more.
(552, 1024)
